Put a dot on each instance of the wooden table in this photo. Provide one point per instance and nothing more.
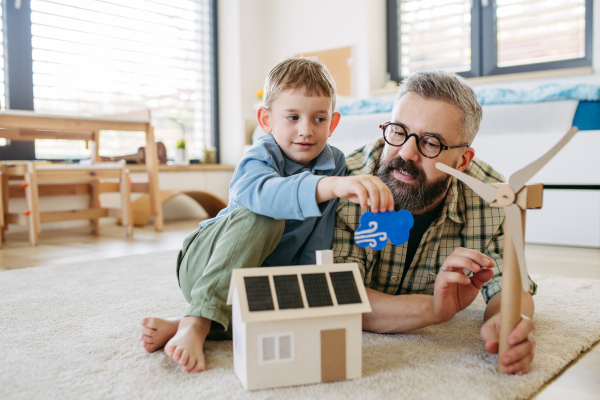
(28, 125)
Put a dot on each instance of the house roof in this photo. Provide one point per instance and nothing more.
(278, 293)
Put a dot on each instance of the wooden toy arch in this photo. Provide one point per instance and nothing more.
(210, 203)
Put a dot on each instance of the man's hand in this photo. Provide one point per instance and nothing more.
(453, 290)
(366, 190)
(518, 359)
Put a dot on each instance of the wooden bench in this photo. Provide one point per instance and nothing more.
(35, 180)
(28, 125)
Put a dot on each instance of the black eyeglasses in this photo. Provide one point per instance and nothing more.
(428, 145)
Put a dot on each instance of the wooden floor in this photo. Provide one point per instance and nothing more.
(68, 246)
(579, 381)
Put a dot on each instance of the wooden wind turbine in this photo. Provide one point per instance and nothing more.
(515, 197)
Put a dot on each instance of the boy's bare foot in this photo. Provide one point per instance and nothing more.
(186, 347)
(156, 332)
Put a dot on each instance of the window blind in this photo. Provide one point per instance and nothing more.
(107, 57)
(434, 34)
(2, 70)
(535, 31)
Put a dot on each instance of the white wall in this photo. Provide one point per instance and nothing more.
(296, 27)
(254, 35)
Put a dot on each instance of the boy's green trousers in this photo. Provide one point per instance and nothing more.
(242, 239)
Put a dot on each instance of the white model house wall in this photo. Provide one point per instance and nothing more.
(239, 342)
(305, 367)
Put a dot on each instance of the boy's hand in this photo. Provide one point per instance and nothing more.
(518, 359)
(366, 190)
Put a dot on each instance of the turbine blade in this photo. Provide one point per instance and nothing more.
(520, 178)
(486, 192)
(515, 224)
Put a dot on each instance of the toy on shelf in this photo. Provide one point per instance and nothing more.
(297, 325)
(375, 229)
(140, 156)
(515, 197)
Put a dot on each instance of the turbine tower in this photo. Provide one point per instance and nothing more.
(515, 197)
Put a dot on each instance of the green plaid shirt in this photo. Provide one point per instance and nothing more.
(466, 220)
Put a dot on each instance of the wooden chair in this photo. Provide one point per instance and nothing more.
(64, 179)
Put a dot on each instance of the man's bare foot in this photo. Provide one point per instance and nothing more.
(186, 347)
(156, 332)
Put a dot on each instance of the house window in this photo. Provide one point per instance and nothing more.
(488, 37)
(277, 347)
(109, 57)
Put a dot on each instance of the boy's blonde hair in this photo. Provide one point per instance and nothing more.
(295, 73)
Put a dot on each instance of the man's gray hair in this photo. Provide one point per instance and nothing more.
(449, 87)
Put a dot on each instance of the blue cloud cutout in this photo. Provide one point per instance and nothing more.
(375, 229)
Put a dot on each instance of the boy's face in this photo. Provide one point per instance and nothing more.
(300, 124)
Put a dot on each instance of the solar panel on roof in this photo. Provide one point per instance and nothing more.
(287, 289)
(258, 293)
(344, 287)
(317, 290)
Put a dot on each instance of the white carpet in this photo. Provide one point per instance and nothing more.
(72, 332)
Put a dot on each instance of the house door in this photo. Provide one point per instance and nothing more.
(333, 355)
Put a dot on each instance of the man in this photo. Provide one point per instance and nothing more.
(423, 282)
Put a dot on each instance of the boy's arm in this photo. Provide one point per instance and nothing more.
(261, 185)
(366, 190)
(263, 190)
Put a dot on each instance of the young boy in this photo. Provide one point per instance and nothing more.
(282, 201)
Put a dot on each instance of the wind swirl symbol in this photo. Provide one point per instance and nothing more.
(370, 235)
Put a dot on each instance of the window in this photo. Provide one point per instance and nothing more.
(2, 86)
(278, 347)
(108, 57)
(488, 37)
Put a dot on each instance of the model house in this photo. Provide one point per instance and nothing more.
(297, 325)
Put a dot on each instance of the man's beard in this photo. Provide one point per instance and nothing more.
(415, 196)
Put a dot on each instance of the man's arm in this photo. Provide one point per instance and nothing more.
(453, 292)
(397, 313)
(390, 313)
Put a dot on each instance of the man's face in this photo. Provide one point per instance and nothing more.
(417, 185)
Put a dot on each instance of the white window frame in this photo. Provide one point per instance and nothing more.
(276, 337)
(483, 44)
(23, 97)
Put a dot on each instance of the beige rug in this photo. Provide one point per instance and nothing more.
(71, 332)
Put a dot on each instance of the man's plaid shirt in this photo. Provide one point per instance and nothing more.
(466, 220)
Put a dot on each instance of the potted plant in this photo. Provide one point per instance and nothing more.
(181, 153)
(181, 157)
